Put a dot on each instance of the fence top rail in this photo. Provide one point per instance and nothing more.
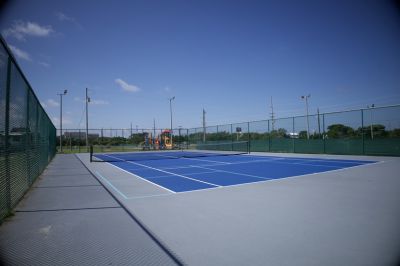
(299, 116)
(11, 56)
(116, 129)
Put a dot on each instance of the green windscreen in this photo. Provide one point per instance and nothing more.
(27, 135)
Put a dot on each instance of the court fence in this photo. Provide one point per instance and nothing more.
(27, 135)
(369, 131)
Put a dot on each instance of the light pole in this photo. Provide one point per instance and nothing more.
(180, 140)
(61, 95)
(170, 109)
(372, 132)
(87, 101)
(308, 123)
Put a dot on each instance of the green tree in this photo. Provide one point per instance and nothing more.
(136, 138)
(337, 131)
(395, 133)
(303, 134)
(378, 131)
(280, 133)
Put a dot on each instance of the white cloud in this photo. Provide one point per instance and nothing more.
(44, 64)
(127, 87)
(20, 53)
(20, 30)
(64, 18)
(44, 105)
(167, 89)
(52, 103)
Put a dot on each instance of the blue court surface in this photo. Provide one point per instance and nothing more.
(189, 174)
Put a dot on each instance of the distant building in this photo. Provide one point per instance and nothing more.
(293, 135)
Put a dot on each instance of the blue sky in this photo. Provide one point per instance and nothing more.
(228, 57)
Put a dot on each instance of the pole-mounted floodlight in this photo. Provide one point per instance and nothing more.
(308, 123)
(170, 109)
(61, 95)
(87, 120)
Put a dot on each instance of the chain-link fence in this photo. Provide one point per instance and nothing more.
(27, 135)
(118, 139)
(370, 131)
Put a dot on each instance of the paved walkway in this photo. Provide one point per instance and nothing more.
(69, 218)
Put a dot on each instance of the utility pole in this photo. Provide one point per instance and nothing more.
(272, 115)
(61, 95)
(308, 123)
(372, 132)
(204, 125)
(154, 133)
(319, 124)
(170, 109)
(87, 120)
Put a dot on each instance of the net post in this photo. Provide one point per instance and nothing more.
(362, 131)
(91, 153)
(248, 136)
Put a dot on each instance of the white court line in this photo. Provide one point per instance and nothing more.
(283, 161)
(111, 185)
(214, 170)
(309, 164)
(313, 159)
(203, 160)
(227, 163)
(328, 160)
(156, 169)
(148, 181)
(275, 179)
(265, 178)
(196, 173)
(188, 166)
(150, 196)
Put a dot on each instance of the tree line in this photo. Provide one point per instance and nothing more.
(334, 131)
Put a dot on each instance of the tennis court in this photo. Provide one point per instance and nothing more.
(183, 171)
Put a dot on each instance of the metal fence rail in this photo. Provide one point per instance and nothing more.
(27, 135)
(371, 131)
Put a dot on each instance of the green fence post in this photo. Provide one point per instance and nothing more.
(362, 132)
(248, 134)
(27, 140)
(37, 135)
(269, 138)
(323, 132)
(293, 142)
(187, 141)
(6, 136)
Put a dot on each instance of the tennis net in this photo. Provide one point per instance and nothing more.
(191, 151)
